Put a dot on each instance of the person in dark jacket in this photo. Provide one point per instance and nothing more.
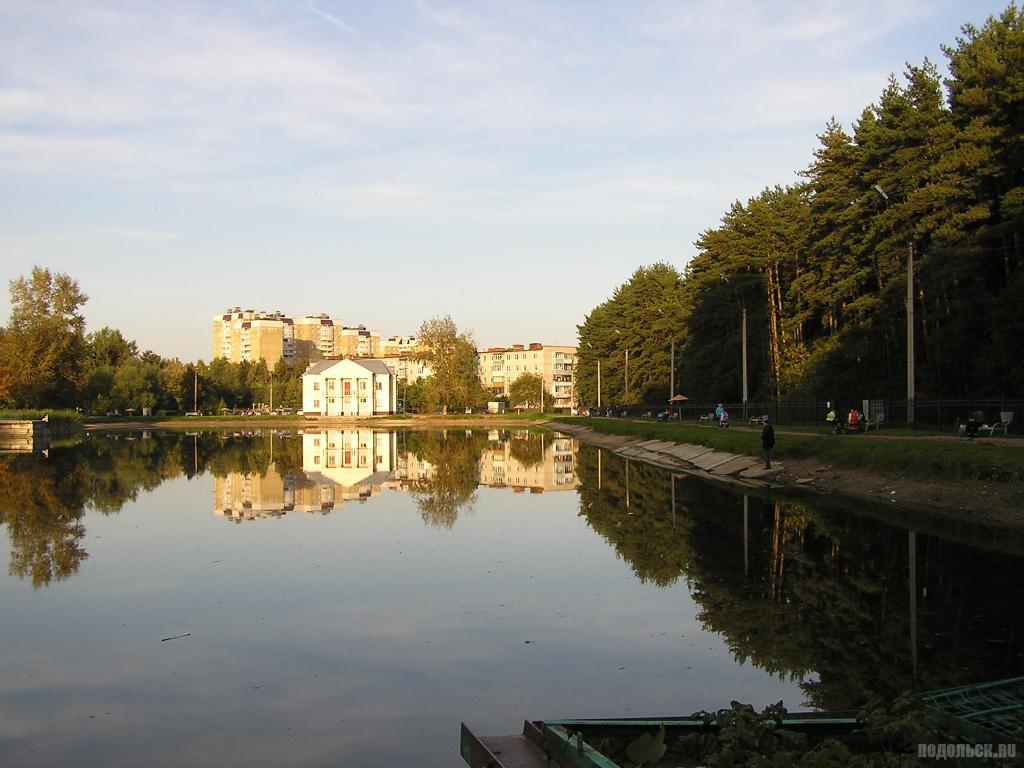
(767, 443)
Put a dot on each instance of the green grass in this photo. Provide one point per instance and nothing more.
(63, 423)
(916, 456)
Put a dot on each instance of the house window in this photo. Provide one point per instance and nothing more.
(380, 385)
(362, 385)
(347, 387)
(316, 403)
(316, 386)
(330, 384)
(316, 459)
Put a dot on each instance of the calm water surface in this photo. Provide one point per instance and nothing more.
(348, 597)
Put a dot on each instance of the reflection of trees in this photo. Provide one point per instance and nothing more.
(45, 531)
(451, 485)
(818, 589)
(527, 448)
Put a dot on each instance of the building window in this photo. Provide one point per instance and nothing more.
(316, 386)
(316, 403)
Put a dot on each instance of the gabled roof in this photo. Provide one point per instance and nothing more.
(373, 366)
(320, 367)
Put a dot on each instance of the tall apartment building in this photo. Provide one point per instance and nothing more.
(500, 366)
(315, 336)
(250, 335)
(356, 341)
(247, 335)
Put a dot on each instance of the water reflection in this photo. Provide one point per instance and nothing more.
(843, 602)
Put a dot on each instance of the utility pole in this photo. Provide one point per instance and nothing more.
(910, 332)
(271, 391)
(627, 375)
(744, 363)
(195, 391)
(542, 394)
(672, 373)
(599, 383)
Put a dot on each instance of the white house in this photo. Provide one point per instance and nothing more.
(348, 388)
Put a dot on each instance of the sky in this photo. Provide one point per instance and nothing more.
(506, 163)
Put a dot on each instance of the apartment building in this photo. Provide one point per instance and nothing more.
(397, 346)
(251, 335)
(315, 337)
(247, 335)
(356, 341)
(500, 366)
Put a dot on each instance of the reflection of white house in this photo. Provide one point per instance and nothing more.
(348, 388)
(348, 462)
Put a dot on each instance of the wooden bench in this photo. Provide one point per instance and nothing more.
(875, 422)
(759, 419)
(707, 417)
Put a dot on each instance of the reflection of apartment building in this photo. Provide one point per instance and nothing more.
(243, 496)
(246, 335)
(500, 366)
(348, 388)
(501, 465)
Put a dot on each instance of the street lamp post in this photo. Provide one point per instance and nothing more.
(598, 377)
(910, 317)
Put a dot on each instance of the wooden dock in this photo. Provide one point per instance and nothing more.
(24, 435)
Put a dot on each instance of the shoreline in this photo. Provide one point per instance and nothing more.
(986, 509)
(989, 504)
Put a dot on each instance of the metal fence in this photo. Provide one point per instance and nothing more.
(935, 414)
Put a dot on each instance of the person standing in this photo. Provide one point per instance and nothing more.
(767, 443)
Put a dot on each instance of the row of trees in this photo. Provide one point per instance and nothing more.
(935, 168)
(48, 360)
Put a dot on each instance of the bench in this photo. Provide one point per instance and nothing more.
(708, 417)
(876, 422)
(759, 419)
(1005, 417)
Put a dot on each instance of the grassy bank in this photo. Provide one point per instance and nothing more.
(924, 458)
(63, 423)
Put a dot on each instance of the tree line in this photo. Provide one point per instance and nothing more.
(47, 360)
(934, 169)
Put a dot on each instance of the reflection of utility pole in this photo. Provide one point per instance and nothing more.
(746, 536)
(673, 478)
(599, 469)
(627, 483)
(912, 577)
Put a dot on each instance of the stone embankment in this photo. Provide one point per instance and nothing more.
(694, 459)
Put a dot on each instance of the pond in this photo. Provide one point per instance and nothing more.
(347, 597)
